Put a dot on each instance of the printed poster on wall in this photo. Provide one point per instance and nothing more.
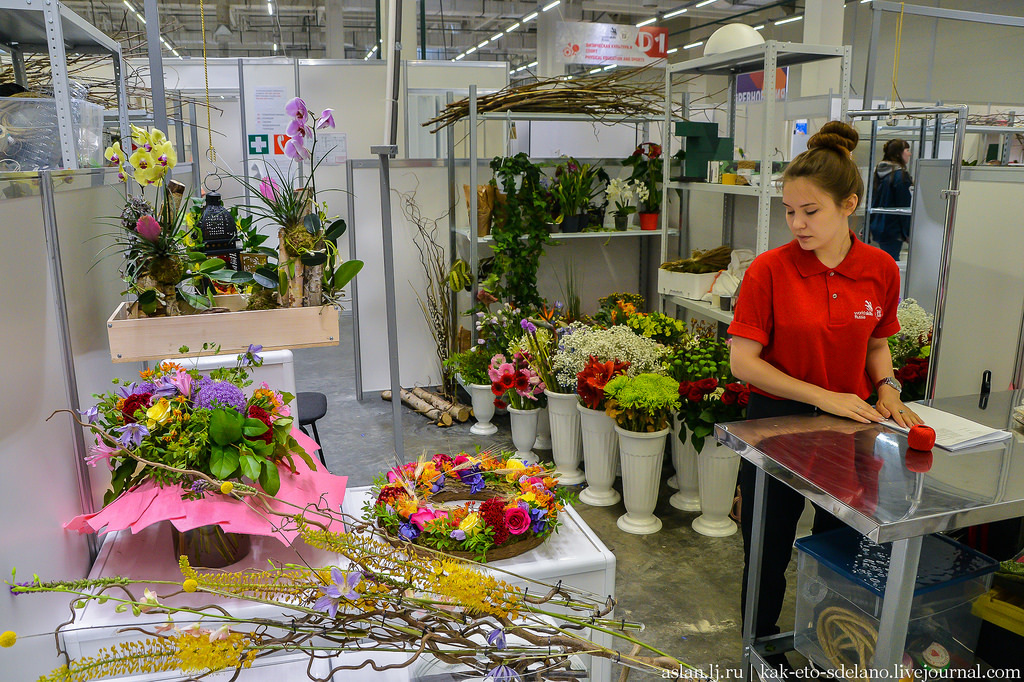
(750, 86)
(268, 106)
(580, 42)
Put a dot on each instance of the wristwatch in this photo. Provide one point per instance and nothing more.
(890, 381)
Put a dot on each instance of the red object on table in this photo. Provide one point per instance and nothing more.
(921, 437)
(919, 461)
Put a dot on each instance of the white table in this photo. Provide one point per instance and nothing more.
(574, 555)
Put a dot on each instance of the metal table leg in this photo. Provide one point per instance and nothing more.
(758, 510)
(899, 596)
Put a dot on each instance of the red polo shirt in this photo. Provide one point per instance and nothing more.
(813, 321)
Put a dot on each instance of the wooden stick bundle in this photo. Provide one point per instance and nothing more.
(458, 411)
(423, 407)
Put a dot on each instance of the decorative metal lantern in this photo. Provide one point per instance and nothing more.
(217, 223)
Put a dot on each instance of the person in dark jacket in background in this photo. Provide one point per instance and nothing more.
(891, 189)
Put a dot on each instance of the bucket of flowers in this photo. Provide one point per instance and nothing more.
(518, 386)
(911, 348)
(202, 453)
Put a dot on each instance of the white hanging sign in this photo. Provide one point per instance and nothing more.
(580, 42)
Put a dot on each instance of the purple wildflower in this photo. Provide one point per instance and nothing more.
(142, 387)
(343, 587)
(250, 358)
(28, 583)
(502, 673)
(131, 435)
(91, 414)
(408, 531)
(223, 394)
(164, 387)
(457, 534)
(474, 480)
(497, 638)
(530, 327)
(539, 518)
(438, 484)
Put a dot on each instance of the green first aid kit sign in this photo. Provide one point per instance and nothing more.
(259, 144)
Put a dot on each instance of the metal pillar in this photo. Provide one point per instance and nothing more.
(869, 71)
(452, 236)
(122, 96)
(474, 170)
(18, 62)
(156, 64)
(59, 75)
(194, 129)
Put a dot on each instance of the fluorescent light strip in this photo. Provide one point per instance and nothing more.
(497, 35)
(275, 47)
(789, 20)
(479, 45)
(270, 8)
(595, 70)
(471, 50)
(531, 65)
(530, 17)
(459, 57)
(672, 51)
(759, 27)
(512, 27)
(646, 22)
(676, 13)
(693, 45)
(175, 52)
(705, 3)
(551, 5)
(610, 67)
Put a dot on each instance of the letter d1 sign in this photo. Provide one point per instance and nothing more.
(653, 42)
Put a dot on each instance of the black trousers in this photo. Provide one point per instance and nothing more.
(784, 507)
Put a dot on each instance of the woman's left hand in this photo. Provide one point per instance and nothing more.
(890, 406)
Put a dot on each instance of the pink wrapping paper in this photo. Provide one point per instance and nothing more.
(149, 503)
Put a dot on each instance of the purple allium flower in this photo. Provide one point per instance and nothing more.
(223, 394)
(200, 384)
(143, 387)
(343, 587)
(131, 435)
(497, 638)
(91, 414)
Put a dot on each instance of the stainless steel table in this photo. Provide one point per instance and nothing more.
(862, 474)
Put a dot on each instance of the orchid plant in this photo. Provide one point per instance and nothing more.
(620, 193)
(308, 235)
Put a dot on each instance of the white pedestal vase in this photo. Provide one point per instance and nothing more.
(684, 460)
(717, 469)
(641, 455)
(483, 409)
(524, 432)
(565, 436)
(543, 441)
(600, 457)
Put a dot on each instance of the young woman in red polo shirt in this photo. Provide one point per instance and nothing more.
(810, 333)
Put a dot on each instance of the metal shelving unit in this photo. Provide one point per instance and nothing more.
(767, 57)
(48, 27)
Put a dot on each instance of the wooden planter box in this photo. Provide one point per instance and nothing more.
(133, 338)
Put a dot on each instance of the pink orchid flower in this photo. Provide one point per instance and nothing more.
(296, 108)
(297, 129)
(148, 228)
(295, 150)
(269, 189)
(326, 119)
(182, 381)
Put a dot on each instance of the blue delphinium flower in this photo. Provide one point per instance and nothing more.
(497, 638)
(539, 518)
(408, 531)
(502, 673)
(342, 587)
(131, 435)
(222, 394)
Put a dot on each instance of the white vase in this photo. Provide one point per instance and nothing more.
(717, 469)
(524, 432)
(483, 409)
(543, 441)
(641, 455)
(600, 457)
(684, 460)
(565, 436)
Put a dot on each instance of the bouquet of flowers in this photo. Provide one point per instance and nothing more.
(538, 346)
(911, 348)
(187, 429)
(472, 365)
(515, 380)
(665, 330)
(497, 330)
(520, 503)
(595, 376)
(709, 392)
(616, 308)
(579, 343)
(642, 403)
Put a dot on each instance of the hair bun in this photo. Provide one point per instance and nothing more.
(835, 135)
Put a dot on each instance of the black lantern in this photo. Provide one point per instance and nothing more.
(217, 223)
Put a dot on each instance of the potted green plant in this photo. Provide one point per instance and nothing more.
(254, 255)
(620, 193)
(642, 408)
(471, 366)
(575, 185)
(647, 165)
(519, 241)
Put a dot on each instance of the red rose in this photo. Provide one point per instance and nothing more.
(734, 387)
(707, 385)
(695, 395)
(264, 416)
(461, 459)
(729, 398)
(743, 399)
(133, 403)
(517, 520)
(684, 388)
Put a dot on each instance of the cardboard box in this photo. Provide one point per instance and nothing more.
(685, 284)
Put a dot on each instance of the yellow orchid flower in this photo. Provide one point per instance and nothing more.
(157, 137)
(154, 175)
(114, 154)
(165, 155)
(141, 138)
(141, 160)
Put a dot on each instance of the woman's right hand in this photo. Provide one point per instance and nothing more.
(848, 405)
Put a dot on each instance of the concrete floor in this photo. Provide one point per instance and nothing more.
(683, 586)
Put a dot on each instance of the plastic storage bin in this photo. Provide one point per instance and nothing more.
(840, 584)
(29, 138)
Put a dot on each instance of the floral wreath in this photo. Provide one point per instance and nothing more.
(518, 504)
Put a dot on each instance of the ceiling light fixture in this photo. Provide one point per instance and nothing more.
(175, 52)
(672, 51)
(512, 27)
(270, 8)
(789, 20)
(646, 22)
(275, 47)
(459, 57)
(759, 27)
(693, 45)
(705, 3)
(675, 13)
(483, 43)
(551, 5)
(530, 17)
(610, 67)
(471, 50)
(531, 65)
(497, 35)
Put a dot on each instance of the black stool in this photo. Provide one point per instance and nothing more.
(311, 407)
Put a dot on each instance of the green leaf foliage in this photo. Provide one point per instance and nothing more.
(225, 426)
(346, 272)
(223, 461)
(270, 478)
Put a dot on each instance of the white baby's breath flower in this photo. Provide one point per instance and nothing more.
(616, 343)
